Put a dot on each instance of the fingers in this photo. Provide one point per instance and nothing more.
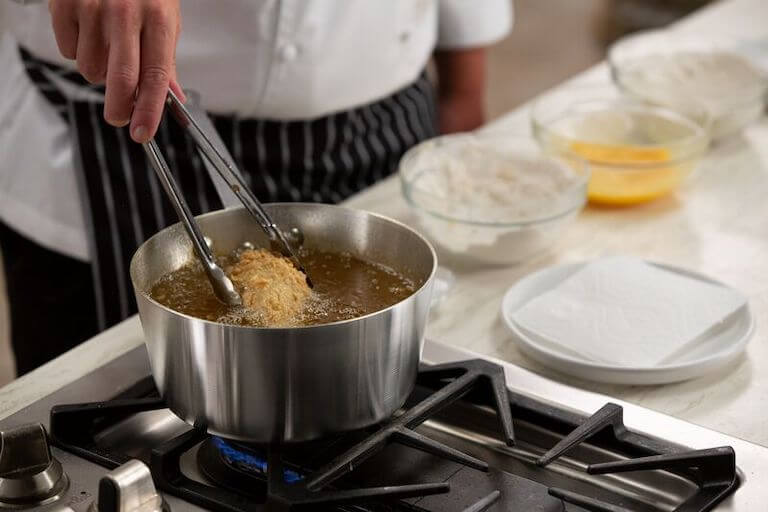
(65, 26)
(122, 77)
(175, 87)
(91, 46)
(157, 49)
(137, 61)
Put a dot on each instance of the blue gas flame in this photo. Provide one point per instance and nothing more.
(234, 455)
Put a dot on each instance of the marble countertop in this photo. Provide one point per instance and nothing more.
(717, 225)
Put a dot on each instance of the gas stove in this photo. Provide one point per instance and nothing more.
(475, 435)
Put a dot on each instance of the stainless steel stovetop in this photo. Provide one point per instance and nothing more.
(572, 451)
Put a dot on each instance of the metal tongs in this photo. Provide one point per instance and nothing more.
(222, 285)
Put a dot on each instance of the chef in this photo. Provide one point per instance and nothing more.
(315, 100)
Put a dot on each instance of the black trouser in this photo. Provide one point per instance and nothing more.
(51, 300)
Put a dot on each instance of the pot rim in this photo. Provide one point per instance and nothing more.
(246, 328)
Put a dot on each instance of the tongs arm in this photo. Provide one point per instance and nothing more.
(233, 179)
(221, 164)
(222, 285)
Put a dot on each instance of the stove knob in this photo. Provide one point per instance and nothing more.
(29, 475)
(129, 488)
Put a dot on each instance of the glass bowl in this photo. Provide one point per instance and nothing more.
(491, 198)
(686, 73)
(636, 152)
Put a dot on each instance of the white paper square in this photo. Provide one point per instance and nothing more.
(626, 312)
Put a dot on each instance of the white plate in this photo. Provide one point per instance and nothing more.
(717, 348)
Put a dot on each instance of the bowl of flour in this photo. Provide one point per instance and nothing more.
(692, 74)
(492, 198)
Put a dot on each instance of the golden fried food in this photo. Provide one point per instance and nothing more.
(271, 286)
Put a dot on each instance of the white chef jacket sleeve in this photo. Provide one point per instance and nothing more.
(472, 23)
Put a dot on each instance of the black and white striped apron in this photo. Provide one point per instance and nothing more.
(321, 160)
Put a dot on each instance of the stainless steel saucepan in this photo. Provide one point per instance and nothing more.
(287, 384)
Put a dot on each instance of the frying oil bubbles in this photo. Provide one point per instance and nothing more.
(345, 287)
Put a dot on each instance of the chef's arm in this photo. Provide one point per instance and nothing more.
(461, 89)
(465, 29)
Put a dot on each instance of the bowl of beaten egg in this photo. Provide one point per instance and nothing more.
(636, 152)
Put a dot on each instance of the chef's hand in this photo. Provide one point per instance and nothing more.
(461, 89)
(128, 44)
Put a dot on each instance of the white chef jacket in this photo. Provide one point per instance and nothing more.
(269, 59)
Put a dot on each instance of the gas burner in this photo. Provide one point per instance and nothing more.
(29, 475)
(228, 464)
(236, 467)
(451, 448)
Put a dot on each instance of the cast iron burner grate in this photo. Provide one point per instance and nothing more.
(327, 476)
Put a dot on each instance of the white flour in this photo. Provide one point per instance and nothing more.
(473, 183)
(727, 86)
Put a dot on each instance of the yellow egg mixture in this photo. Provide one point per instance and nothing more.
(638, 182)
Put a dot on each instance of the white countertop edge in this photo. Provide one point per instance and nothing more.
(70, 366)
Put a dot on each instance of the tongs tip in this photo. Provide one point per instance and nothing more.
(309, 280)
(297, 263)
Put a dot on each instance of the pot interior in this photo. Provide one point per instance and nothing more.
(326, 227)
